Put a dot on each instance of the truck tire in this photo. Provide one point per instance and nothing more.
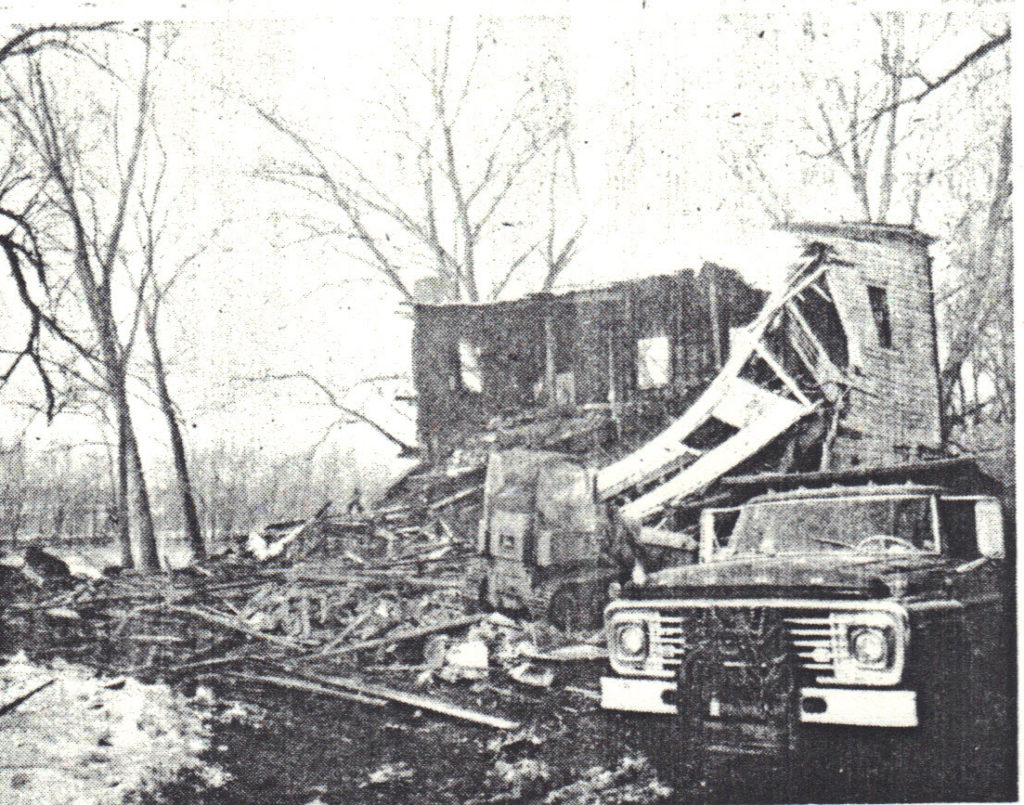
(567, 609)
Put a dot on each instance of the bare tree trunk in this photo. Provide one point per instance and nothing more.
(138, 496)
(124, 534)
(193, 534)
(892, 63)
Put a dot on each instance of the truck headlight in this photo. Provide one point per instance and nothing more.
(632, 647)
(868, 648)
(631, 640)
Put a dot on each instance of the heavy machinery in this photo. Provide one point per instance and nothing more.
(544, 545)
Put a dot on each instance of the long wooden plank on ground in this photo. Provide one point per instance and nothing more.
(412, 634)
(234, 625)
(414, 700)
(308, 687)
(718, 461)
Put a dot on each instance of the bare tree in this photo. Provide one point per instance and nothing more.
(348, 413)
(865, 125)
(92, 210)
(460, 192)
(989, 283)
(150, 233)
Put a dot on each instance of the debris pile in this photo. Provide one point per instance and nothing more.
(528, 779)
(338, 626)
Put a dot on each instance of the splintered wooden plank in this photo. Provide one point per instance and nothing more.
(719, 460)
(654, 459)
(421, 702)
(19, 698)
(744, 403)
(412, 634)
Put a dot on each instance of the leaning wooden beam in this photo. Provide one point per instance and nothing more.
(308, 687)
(719, 460)
(424, 631)
(413, 700)
(820, 365)
(7, 706)
(782, 374)
(665, 452)
(465, 493)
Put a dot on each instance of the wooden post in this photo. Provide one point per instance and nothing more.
(611, 369)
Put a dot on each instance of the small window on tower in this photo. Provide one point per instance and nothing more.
(654, 368)
(469, 361)
(879, 301)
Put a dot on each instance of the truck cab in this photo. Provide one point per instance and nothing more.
(819, 609)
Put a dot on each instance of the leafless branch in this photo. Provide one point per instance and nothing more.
(334, 400)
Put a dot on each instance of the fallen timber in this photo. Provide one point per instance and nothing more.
(15, 701)
(415, 700)
(380, 642)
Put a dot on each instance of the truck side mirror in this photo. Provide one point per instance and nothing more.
(988, 525)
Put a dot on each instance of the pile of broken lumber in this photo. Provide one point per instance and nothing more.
(331, 627)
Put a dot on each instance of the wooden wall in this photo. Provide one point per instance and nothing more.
(595, 334)
(894, 415)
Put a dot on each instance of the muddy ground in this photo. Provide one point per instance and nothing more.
(272, 747)
(299, 748)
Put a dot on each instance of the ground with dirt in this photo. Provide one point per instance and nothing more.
(165, 707)
(71, 736)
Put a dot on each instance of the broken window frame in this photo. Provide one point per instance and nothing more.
(653, 352)
(878, 302)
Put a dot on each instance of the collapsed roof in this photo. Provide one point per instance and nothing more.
(837, 368)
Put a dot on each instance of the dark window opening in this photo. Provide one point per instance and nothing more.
(823, 319)
(879, 301)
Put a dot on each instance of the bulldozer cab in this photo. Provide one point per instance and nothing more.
(540, 509)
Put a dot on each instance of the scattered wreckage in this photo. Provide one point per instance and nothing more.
(553, 472)
(661, 388)
(871, 604)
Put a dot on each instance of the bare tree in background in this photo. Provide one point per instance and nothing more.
(18, 238)
(864, 122)
(985, 257)
(856, 119)
(455, 231)
(151, 220)
(349, 413)
(91, 210)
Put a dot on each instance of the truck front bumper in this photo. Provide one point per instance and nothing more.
(859, 707)
(637, 695)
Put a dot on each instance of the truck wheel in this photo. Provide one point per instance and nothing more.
(566, 610)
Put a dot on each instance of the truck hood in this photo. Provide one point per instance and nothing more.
(807, 575)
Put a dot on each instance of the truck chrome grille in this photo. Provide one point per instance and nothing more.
(738, 634)
(812, 641)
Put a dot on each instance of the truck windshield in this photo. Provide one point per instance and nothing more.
(867, 524)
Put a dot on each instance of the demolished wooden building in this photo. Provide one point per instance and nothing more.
(656, 341)
(845, 350)
(837, 368)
